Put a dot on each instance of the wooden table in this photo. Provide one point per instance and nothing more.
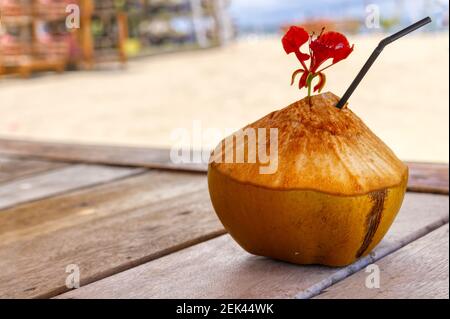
(138, 226)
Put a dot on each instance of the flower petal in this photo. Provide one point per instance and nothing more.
(329, 45)
(322, 81)
(293, 40)
(294, 75)
(303, 80)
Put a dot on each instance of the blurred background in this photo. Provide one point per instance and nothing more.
(133, 72)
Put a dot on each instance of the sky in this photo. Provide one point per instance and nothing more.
(260, 15)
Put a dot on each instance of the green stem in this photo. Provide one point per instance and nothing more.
(309, 80)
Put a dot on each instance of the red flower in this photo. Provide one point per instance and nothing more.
(328, 45)
(293, 40)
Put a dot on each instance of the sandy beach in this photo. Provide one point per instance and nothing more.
(404, 99)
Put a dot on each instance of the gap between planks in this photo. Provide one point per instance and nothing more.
(427, 276)
(156, 158)
(135, 263)
(374, 256)
(13, 168)
(59, 181)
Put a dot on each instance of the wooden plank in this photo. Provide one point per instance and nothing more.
(424, 177)
(104, 230)
(58, 181)
(428, 178)
(13, 168)
(419, 270)
(24, 222)
(97, 154)
(220, 269)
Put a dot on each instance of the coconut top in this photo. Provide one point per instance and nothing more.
(320, 147)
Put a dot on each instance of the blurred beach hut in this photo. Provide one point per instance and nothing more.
(34, 35)
(157, 26)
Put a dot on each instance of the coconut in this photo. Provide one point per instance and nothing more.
(334, 193)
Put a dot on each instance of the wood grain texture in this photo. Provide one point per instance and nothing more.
(428, 178)
(104, 230)
(97, 154)
(220, 269)
(58, 181)
(12, 168)
(419, 270)
(424, 177)
(30, 220)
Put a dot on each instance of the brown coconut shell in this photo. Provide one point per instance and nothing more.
(320, 148)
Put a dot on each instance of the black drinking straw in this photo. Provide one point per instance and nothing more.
(375, 55)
